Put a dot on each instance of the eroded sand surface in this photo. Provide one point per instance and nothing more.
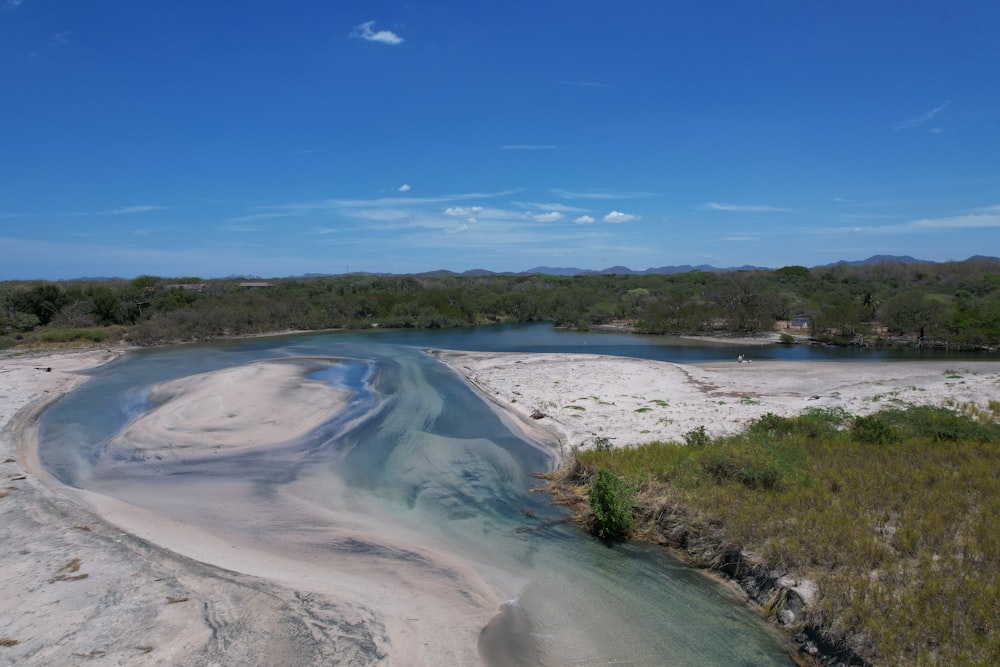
(78, 589)
(630, 401)
(258, 404)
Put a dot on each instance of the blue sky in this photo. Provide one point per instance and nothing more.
(280, 138)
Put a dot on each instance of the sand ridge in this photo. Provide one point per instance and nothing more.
(258, 404)
(631, 401)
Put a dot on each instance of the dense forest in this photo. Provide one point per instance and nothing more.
(955, 304)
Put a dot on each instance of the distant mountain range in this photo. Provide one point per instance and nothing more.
(685, 268)
(624, 270)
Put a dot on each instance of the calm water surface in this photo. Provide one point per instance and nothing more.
(422, 453)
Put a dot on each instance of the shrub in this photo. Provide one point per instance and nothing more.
(748, 462)
(611, 500)
(873, 431)
(697, 437)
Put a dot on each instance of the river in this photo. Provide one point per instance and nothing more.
(420, 479)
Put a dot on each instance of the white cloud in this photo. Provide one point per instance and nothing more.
(365, 32)
(744, 208)
(128, 210)
(563, 208)
(922, 118)
(975, 221)
(405, 187)
(551, 216)
(617, 217)
(584, 220)
(462, 210)
(569, 194)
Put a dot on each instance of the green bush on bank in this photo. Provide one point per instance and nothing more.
(611, 501)
(895, 516)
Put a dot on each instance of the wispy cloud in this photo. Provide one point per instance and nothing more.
(462, 210)
(529, 147)
(130, 210)
(123, 210)
(600, 194)
(972, 221)
(365, 32)
(240, 228)
(554, 206)
(617, 217)
(551, 216)
(744, 208)
(988, 220)
(922, 118)
(12, 4)
(405, 187)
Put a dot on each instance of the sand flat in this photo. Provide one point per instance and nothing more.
(228, 617)
(253, 405)
(631, 401)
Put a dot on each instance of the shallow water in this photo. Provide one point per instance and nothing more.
(420, 477)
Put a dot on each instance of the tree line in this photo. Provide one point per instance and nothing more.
(955, 303)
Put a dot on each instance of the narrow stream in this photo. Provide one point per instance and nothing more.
(418, 483)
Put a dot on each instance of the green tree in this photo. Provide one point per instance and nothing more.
(611, 500)
(913, 312)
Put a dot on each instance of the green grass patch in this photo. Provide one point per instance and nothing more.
(895, 515)
(573, 407)
(643, 409)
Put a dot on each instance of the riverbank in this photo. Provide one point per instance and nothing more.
(883, 523)
(78, 589)
(581, 400)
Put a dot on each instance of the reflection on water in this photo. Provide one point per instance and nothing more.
(418, 477)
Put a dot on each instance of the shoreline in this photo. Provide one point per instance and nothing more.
(722, 398)
(577, 400)
(63, 561)
(78, 586)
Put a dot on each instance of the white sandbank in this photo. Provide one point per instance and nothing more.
(632, 401)
(148, 596)
(258, 404)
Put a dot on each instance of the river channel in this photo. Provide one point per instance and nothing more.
(418, 482)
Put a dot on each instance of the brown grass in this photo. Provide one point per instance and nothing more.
(896, 517)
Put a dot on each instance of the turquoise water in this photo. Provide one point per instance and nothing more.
(418, 452)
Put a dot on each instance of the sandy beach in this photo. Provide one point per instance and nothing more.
(87, 580)
(78, 589)
(631, 401)
(232, 409)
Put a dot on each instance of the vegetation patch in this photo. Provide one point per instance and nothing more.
(611, 499)
(895, 516)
